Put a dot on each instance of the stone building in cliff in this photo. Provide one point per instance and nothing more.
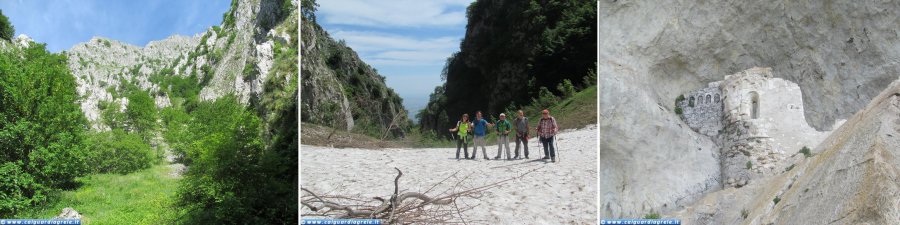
(757, 122)
(702, 110)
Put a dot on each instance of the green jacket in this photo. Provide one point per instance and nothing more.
(503, 126)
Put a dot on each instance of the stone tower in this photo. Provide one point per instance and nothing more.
(755, 122)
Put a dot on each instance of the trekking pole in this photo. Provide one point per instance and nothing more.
(556, 149)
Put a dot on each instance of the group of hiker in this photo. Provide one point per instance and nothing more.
(546, 131)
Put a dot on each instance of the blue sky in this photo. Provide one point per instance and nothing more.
(64, 23)
(407, 41)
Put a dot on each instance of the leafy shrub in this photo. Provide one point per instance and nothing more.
(141, 112)
(250, 72)
(117, 151)
(111, 115)
(776, 200)
(545, 98)
(7, 30)
(744, 213)
(41, 127)
(176, 132)
(565, 88)
(678, 110)
(805, 151)
(749, 164)
(232, 178)
(18, 189)
(228, 17)
(652, 215)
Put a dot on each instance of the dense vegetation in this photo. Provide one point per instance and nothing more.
(41, 127)
(44, 139)
(6, 28)
(515, 52)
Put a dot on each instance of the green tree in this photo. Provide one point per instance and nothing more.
(308, 9)
(41, 126)
(7, 30)
(111, 114)
(141, 112)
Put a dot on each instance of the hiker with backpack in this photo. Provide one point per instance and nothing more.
(503, 128)
(546, 129)
(521, 133)
(463, 126)
(480, 129)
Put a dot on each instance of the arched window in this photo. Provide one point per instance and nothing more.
(717, 98)
(754, 105)
(691, 102)
(708, 98)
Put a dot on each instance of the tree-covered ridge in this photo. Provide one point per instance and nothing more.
(513, 49)
(342, 91)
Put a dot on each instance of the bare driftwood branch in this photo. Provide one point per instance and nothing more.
(402, 207)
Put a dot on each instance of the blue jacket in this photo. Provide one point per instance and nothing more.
(480, 127)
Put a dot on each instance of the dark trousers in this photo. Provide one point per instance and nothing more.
(548, 151)
(461, 142)
(524, 142)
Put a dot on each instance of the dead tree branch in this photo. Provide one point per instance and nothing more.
(407, 207)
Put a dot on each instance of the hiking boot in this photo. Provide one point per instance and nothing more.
(553, 160)
(546, 157)
(486, 158)
(497, 158)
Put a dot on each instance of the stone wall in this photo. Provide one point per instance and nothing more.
(702, 110)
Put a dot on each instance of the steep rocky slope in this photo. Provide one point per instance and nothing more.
(342, 91)
(841, 54)
(235, 57)
(650, 160)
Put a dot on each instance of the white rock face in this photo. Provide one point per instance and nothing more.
(840, 53)
(650, 160)
(101, 65)
(23, 40)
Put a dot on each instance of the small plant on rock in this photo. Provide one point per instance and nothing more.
(805, 152)
(749, 164)
(652, 215)
(776, 200)
(744, 213)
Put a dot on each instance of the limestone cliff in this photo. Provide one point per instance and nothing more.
(233, 58)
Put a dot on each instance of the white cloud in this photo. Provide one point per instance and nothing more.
(388, 49)
(402, 13)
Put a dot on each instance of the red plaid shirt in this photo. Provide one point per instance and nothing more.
(547, 127)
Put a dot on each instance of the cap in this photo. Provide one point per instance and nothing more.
(501, 114)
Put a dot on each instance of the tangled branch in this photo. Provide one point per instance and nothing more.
(401, 208)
